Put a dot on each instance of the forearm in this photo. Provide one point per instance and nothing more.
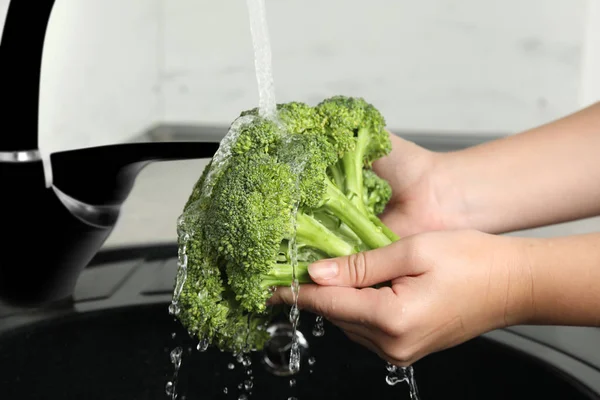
(564, 285)
(546, 175)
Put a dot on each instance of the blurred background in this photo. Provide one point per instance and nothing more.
(125, 70)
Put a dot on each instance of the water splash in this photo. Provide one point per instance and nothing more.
(397, 375)
(202, 345)
(171, 386)
(182, 262)
(295, 286)
(262, 58)
(318, 329)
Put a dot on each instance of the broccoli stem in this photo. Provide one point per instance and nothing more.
(338, 175)
(362, 225)
(387, 231)
(312, 233)
(333, 223)
(353, 162)
(283, 275)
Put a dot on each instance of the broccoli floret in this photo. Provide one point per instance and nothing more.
(293, 191)
(377, 193)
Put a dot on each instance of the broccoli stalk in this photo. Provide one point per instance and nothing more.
(283, 275)
(353, 169)
(357, 220)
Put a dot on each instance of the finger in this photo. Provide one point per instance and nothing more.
(340, 303)
(365, 268)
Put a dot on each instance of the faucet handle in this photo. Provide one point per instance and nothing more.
(105, 175)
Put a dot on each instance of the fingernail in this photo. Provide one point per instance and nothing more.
(323, 270)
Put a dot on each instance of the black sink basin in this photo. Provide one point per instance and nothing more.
(122, 351)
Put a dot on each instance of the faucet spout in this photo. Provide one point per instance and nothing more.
(21, 53)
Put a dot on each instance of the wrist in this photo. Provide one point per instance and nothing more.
(519, 302)
(564, 280)
(448, 192)
(507, 284)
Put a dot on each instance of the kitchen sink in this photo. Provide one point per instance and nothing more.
(114, 341)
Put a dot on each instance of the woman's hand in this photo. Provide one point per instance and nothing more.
(423, 196)
(444, 288)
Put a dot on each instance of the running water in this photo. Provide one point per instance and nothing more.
(294, 312)
(171, 386)
(184, 236)
(262, 58)
(402, 374)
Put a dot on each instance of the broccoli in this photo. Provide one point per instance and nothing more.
(292, 191)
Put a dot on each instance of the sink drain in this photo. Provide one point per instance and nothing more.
(276, 353)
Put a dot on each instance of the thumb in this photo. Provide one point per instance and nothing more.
(363, 269)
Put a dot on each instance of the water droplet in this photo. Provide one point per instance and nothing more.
(248, 384)
(202, 345)
(225, 390)
(173, 335)
(312, 361)
(295, 358)
(395, 375)
(176, 356)
(393, 380)
(294, 315)
(292, 382)
(230, 366)
(310, 371)
(318, 329)
(173, 309)
(240, 386)
(292, 398)
(246, 361)
(249, 372)
(239, 358)
(243, 396)
(169, 388)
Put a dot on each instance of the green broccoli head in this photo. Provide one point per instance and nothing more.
(256, 135)
(293, 191)
(295, 117)
(348, 118)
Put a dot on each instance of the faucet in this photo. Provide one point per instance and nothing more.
(53, 231)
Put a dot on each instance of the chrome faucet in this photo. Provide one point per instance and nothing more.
(52, 232)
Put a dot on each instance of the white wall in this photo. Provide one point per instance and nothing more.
(474, 65)
(99, 72)
(112, 68)
(590, 74)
